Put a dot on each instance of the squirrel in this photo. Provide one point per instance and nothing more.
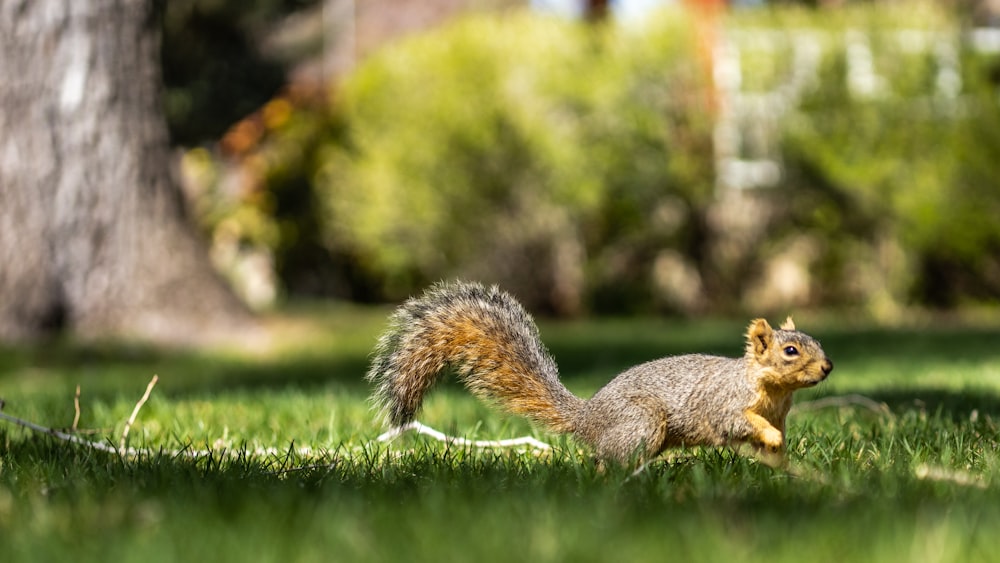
(493, 345)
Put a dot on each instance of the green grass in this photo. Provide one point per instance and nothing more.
(919, 483)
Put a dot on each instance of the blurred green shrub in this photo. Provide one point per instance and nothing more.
(527, 151)
(898, 175)
(574, 165)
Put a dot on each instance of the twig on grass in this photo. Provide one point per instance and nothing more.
(75, 427)
(419, 428)
(134, 452)
(76, 409)
(64, 436)
(135, 411)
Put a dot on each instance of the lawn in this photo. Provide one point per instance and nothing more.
(913, 475)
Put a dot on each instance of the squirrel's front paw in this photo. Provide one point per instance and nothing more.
(771, 440)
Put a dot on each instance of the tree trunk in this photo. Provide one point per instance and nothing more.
(93, 236)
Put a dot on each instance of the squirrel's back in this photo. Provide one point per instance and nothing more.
(487, 337)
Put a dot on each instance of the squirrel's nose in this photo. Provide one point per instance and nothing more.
(827, 367)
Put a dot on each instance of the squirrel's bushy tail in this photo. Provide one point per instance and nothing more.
(490, 341)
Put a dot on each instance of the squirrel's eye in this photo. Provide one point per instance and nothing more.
(791, 351)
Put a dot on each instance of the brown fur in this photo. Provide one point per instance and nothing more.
(491, 342)
(694, 399)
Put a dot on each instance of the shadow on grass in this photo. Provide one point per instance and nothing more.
(952, 405)
(104, 370)
(969, 344)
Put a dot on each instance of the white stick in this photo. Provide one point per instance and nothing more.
(419, 428)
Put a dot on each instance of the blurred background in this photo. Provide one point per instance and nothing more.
(596, 156)
(687, 158)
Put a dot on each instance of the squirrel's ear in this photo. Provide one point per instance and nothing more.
(789, 324)
(759, 337)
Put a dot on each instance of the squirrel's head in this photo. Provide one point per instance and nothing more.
(786, 357)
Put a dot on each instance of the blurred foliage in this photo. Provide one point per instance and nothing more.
(575, 166)
(905, 176)
(225, 75)
(254, 198)
(540, 163)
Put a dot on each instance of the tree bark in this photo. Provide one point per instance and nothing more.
(93, 236)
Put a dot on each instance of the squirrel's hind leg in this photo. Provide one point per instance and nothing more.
(634, 440)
